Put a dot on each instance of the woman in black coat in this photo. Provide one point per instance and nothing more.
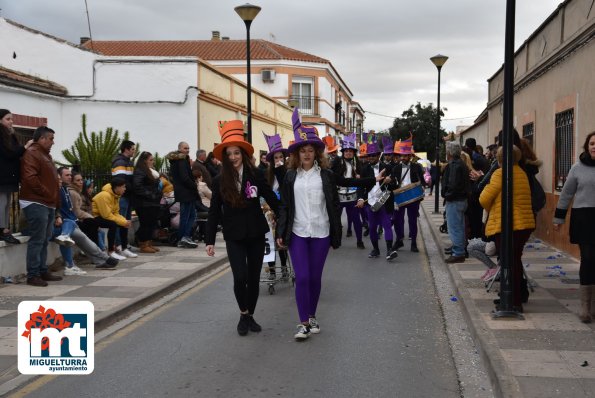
(235, 203)
(10, 155)
(146, 198)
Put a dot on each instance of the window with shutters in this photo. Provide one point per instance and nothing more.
(564, 146)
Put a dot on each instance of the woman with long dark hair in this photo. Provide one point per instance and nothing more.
(146, 196)
(579, 189)
(309, 220)
(236, 205)
(10, 155)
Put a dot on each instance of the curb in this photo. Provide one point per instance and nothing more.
(121, 312)
(503, 382)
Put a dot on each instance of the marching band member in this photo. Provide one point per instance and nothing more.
(348, 166)
(381, 217)
(406, 173)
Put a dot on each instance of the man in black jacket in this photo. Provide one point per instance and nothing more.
(185, 192)
(455, 191)
(407, 173)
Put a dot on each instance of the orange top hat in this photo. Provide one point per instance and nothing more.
(405, 147)
(329, 141)
(232, 134)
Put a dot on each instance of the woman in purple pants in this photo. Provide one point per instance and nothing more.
(309, 220)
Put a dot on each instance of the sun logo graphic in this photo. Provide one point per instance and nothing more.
(56, 337)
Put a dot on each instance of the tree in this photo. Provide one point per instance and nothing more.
(93, 153)
(420, 121)
(161, 163)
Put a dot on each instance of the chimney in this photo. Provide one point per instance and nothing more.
(225, 38)
(216, 35)
(84, 40)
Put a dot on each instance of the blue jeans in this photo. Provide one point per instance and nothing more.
(126, 212)
(187, 217)
(40, 220)
(455, 219)
(66, 229)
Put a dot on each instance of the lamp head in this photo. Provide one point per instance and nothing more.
(247, 12)
(439, 60)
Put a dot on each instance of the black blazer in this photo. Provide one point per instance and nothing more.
(368, 172)
(240, 222)
(416, 173)
(287, 208)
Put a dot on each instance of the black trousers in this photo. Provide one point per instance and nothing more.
(587, 268)
(112, 228)
(245, 259)
(147, 218)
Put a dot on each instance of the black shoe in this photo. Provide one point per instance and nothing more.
(398, 244)
(360, 245)
(243, 324)
(455, 259)
(49, 277)
(448, 250)
(366, 231)
(9, 238)
(391, 255)
(348, 235)
(414, 248)
(252, 325)
(36, 281)
(375, 253)
(110, 263)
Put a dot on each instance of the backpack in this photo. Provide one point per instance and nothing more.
(537, 195)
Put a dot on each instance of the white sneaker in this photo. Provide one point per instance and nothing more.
(128, 253)
(303, 332)
(314, 326)
(117, 256)
(64, 240)
(74, 270)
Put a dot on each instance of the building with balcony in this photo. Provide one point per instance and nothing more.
(295, 77)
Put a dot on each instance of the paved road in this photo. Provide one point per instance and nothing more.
(382, 335)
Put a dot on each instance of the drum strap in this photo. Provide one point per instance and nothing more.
(402, 178)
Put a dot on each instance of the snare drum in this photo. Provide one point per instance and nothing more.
(408, 194)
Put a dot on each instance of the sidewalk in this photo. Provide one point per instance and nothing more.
(114, 293)
(543, 355)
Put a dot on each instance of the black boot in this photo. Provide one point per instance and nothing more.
(243, 324)
(414, 248)
(252, 325)
(398, 244)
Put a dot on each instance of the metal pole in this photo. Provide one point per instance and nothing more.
(249, 83)
(437, 182)
(505, 309)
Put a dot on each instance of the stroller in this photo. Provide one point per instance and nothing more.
(168, 210)
(444, 227)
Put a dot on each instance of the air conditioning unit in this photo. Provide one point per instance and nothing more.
(268, 75)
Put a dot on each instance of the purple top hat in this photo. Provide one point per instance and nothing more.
(303, 135)
(387, 145)
(372, 144)
(349, 142)
(275, 145)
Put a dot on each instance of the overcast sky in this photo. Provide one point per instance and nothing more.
(381, 48)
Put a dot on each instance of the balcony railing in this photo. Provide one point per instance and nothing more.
(307, 105)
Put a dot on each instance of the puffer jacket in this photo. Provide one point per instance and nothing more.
(185, 188)
(491, 200)
(106, 204)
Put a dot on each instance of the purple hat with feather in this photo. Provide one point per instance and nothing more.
(304, 135)
(349, 142)
(387, 145)
(275, 145)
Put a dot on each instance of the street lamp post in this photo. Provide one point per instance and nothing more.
(248, 12)
(438, 60)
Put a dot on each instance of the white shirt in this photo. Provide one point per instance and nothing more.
(311, 218)
(404, 169)
(348, 174)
